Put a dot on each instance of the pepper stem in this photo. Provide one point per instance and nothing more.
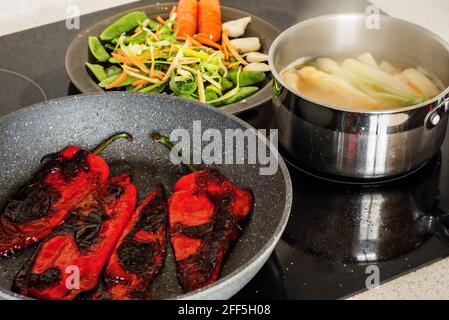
(110, 140)
(165, 141)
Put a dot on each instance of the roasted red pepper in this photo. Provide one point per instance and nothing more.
(139, 254)
(81, 245)
(40, 205)
(207, 214)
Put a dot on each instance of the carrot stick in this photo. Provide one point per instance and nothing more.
(138, 83)
(232, 65)
(209, 19)
(206, 41)
(126, 67)
(139, 64)
(133, 61)
(121, 58)
(225, 50)
(186, 17)
(231, 48)
(144, 56)
(194, 42)
(159, 75)
(160, 20)
(117, 81)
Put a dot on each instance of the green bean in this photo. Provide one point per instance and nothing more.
(153, 25)
(214, 89)
(211, 95)
(97, 70)
(156, 88)
(182, 87)
(247, 78)
(123, 25)
(110, 46)
(226, 84)
(137, 39)
(240, 95)
(114, 60)
(97, 50)
(113, 70)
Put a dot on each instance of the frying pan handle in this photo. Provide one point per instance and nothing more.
(434, 117)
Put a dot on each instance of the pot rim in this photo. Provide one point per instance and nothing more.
(294, 28)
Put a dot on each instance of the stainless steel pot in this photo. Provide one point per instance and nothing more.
(364, 144)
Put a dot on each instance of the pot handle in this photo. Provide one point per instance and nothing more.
(441, 227)
(434, 117)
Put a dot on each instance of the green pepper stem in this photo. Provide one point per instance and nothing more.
(165, 141)
(110, 140)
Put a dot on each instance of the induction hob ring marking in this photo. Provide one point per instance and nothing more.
(26, 78)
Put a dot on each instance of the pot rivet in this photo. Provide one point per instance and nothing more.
(435, 119)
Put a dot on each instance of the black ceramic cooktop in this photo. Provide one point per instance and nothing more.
(336, 230)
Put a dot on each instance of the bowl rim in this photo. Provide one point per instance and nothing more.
(439, 99)
(263, 96)
(258, 258)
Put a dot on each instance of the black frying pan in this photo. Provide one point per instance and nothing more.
(29, 134)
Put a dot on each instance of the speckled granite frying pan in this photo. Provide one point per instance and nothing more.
(29, 134)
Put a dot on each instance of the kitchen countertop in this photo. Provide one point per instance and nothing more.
(430, 282)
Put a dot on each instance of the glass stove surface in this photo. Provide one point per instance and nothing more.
(335, 230)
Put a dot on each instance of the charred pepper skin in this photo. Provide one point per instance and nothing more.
(207, 215)
(36, 208)
(81, 244)
(139, 254)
